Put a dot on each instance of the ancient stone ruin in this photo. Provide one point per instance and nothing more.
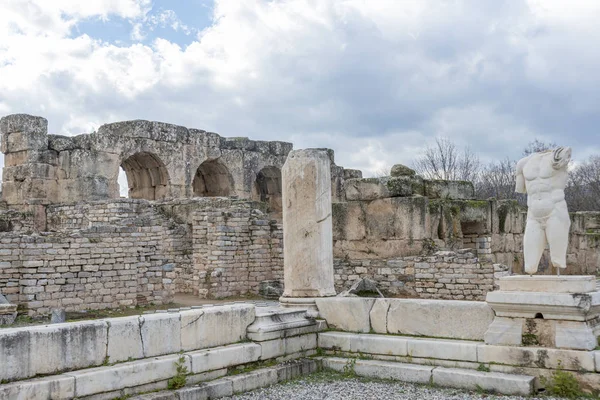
(222, 217)
(204, 217)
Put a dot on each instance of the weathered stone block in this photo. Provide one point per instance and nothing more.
(124, 339)
(224, 357)
(161, 333)
(51, 387)
(254, 380)
(489, 381)
(202, 329)
(23, 132)
(348, 314)
(437, 189)
(60, 347)
(15, 348)
(135, 373)
(402, 170)
(383, 369)
(443, 349)
(439, 318)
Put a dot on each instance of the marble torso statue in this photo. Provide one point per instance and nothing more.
(543, 176)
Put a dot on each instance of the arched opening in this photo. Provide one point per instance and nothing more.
(267, 188)
(122, 181)
(147, 177)
(212, 179)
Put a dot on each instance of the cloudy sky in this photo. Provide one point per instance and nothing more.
(376, 80)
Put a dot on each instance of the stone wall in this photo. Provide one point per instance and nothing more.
(234, 250)
(161, 161)
(443, 275)
(127, 252)
(405, 215)
(108, 264)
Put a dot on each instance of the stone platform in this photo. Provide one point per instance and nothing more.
(551, 311)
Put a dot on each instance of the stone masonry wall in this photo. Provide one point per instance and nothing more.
(444, 275)
(126, 252)
(235, 249)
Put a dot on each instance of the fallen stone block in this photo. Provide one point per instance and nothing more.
(489, 381)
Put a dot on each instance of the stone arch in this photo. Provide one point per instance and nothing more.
(267, 188)
(213, 179)
(147, 176)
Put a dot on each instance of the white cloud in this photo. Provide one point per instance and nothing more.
(374, 80)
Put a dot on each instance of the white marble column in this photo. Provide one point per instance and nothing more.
(307, 227)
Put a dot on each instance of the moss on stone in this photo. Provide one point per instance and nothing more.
(339, 213)
(503, 210)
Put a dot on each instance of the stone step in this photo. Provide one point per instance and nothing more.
(229, 385)
(446, 377)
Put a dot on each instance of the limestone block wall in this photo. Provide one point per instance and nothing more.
(394, 217)
(235, 249)
(51, 349)
(443, 275)
(161, 161)
(126, 252)
(103, 267)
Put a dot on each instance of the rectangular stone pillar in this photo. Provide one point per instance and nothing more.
(29, 174)
(307, 228)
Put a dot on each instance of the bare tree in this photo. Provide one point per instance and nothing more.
(537, 146)
(445, 161)
(497, 179)
(583, 188)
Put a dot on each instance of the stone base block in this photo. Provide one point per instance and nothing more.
(277, 322)
(578, 335)
(306, 303)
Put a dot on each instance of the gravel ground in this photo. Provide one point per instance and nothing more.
(325, 386)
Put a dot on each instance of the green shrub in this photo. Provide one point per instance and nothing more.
(180, 378)
(563, 384)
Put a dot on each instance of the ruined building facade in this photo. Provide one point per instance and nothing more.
(203, 217)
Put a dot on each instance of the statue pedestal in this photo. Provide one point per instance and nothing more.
(549, 311)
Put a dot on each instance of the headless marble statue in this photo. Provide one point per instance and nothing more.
(543, 176)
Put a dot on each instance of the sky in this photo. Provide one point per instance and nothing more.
(375, 80)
